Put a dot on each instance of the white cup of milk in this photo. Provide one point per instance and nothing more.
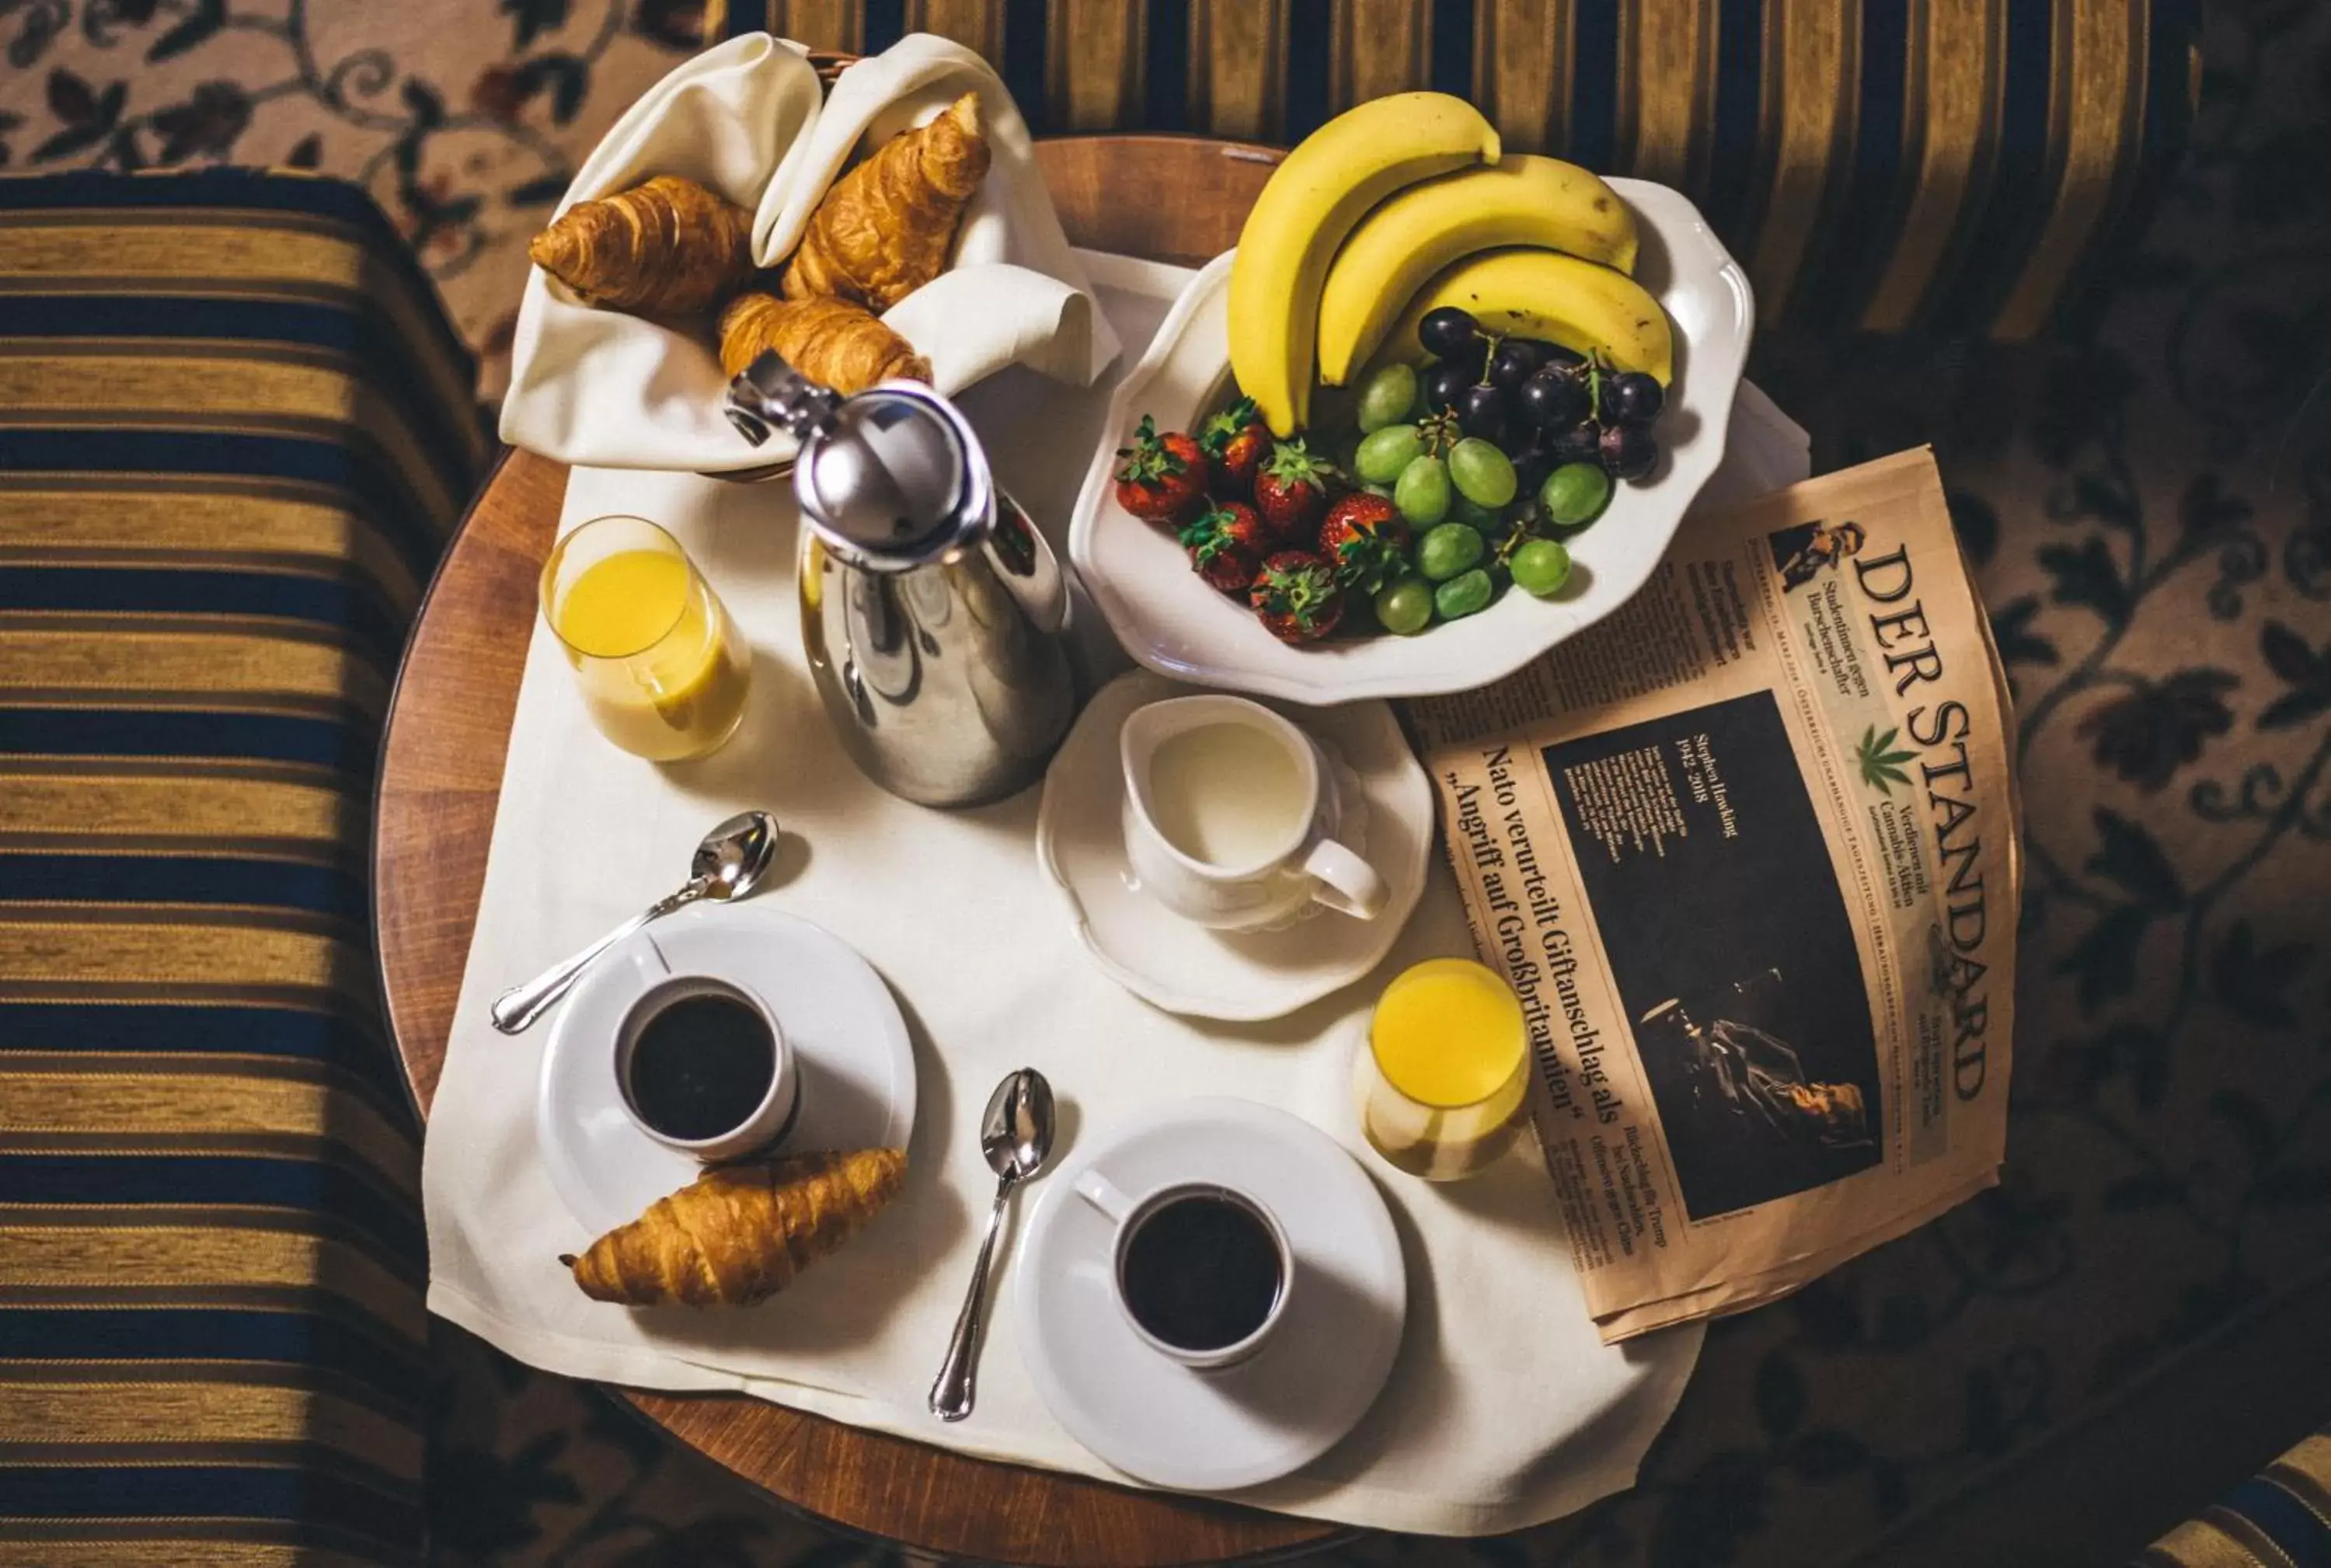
(1231, 816)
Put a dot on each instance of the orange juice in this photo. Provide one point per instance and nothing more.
(1441, 1081)
(661, 669)
(624, 604)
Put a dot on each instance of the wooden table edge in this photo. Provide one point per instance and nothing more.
(1212, 1527)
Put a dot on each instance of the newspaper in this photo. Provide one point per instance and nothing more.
(1747, 852)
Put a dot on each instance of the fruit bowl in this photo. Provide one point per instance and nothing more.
(1171, 623)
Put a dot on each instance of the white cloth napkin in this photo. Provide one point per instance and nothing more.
(1504, 1408)
(612, 390)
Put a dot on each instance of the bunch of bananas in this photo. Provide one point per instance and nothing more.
(1403, 206)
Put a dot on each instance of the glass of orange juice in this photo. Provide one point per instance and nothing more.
(660, 665)
(1442, 1075)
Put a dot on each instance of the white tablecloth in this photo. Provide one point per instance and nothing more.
(1504, 1408)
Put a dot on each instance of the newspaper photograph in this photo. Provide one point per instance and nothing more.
(1747, 852)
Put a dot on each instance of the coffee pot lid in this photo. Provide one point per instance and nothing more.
(886, 476)
(891, 476)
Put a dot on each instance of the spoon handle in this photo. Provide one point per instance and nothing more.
(951, 1394)
(520, 1005)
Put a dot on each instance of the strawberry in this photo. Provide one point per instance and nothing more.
(1235, 441)
(1365, 538)
(1227, 545)
(1163, 478)
(1292, 490)
(1297, 597)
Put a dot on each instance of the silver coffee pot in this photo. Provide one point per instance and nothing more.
(932, 612)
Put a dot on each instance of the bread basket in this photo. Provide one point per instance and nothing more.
(771, 128)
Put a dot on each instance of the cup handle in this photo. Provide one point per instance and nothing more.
(1346, 883)
(1095, 1189)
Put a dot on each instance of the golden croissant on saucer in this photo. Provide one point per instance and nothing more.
(738, 1234)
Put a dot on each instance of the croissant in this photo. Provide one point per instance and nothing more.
(834, 342)
(738, 1234)
(667, 247)
(883, 231)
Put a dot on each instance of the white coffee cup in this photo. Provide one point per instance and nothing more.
(1231, 815)
(1130, 1214)
(769, 1117)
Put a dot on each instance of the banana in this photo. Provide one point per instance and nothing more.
(1525, 292)
(1312, 200)
(1521, 201)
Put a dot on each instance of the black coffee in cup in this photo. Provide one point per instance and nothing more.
(701, 1066)
(1200, 1272)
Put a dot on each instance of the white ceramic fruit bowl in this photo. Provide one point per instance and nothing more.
(1175, 625)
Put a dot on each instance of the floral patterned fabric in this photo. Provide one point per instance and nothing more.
(464, 119)
(2148, 503)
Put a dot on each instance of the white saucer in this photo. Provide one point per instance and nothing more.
(1188, 968)
(849, 1046)
(1313, 1379)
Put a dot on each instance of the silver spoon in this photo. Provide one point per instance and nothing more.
(732, 858)
(1016, 1136)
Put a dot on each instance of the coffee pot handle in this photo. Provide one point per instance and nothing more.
(1348, 883)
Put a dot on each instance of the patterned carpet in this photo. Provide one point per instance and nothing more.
(465, 118)
(2149, 504)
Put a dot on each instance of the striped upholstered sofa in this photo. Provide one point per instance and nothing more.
(235, 430)
(1952, 167)
(2279, 1518)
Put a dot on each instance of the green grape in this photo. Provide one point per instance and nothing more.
(1405, 606)
(1383, 453)
(1575, 493)
(1481, 472)
(1387, 396)
(1384, 490)
(1421, 491)
(1448, 550)
(1540, 568)
(1463, 596)
(1463, 509)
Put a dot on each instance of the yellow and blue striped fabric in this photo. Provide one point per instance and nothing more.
(1880, 165)
(2280, 1518)
(235, 431)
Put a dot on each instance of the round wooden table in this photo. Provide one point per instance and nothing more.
(1171, 198)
